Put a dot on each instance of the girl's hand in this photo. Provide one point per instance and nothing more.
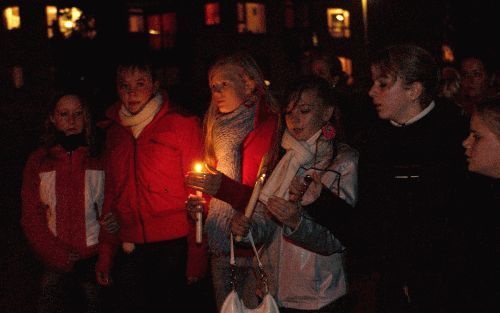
(110, 223)
(240, 224)
(208, 183)
(316, 185)
(297, 189)
(195, 204)
(287, 212)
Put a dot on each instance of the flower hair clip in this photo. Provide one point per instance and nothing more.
(328, 131)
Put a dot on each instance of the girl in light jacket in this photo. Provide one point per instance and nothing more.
(304, 255)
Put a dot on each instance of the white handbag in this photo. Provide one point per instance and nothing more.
(233, 303)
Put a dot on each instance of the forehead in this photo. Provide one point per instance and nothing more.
(307, 97)
(134, 73)
(472, 65)
(68, 103)
(226, 72)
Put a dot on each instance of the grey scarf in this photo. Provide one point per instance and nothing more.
(230, 130)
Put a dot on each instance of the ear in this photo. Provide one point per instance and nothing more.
(415, 90)
(51, 118)
(249, 85)
(328, 113)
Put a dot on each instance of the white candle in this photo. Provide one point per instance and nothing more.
(199, 215)
(253, 198)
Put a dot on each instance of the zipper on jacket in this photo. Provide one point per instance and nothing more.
(141, 220)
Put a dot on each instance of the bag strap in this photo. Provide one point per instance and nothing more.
(232, 263)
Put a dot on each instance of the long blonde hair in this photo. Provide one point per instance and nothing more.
(261, 96)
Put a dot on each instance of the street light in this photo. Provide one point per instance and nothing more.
(364, 8)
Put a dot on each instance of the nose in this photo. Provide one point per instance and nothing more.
(372, 92)
(467, 141)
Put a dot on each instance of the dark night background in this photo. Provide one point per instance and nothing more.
(469, 26)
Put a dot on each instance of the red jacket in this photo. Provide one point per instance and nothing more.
(62, 195)
(145, 181)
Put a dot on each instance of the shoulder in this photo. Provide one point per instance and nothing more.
(38, 155)
(180, 123)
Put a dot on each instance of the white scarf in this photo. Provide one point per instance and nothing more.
(313, 152)
(138, 121)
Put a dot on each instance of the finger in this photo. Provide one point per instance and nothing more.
(316, 177)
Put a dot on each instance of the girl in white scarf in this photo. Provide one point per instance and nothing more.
(303, 257)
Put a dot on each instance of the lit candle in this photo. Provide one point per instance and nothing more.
(253, 198)
(198, 168)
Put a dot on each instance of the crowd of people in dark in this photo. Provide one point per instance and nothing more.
(377, 201)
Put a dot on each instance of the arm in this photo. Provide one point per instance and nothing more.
(108, 242)
(234, 193)
(331, 213)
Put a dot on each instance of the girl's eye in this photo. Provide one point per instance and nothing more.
(382, 84)
(140, 84)
(78, 114)
(304, 111)
(63, 114)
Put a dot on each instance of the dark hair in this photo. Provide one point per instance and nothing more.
(136, 61)
(489, 112)
(328, 96)
(412, 64)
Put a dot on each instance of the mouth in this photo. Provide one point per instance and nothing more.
(297, 130)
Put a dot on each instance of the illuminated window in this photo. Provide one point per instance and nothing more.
(162, 29)
(135, 21)
(61, 20)
(289, 14)
(338, 22)
(17, 77)
(212, 13)
(251, 17)
(347, 68)
(11, 17)
(346, 65)
(447, 53)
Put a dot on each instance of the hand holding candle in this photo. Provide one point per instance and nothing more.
(253, 198)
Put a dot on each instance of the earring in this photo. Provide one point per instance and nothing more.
(328, 131)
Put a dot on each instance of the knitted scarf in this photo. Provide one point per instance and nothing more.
(138, 121)
(300, 155)
(229, 132)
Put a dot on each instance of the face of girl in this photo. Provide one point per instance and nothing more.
(482, 148)
(68, 116)
(135, 89)
(307, 115)
(474, 78)
(227, 87)
(390, 97)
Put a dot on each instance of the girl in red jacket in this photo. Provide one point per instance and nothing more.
(62, 195)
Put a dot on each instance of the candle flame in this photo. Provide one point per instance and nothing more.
(198, 167)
